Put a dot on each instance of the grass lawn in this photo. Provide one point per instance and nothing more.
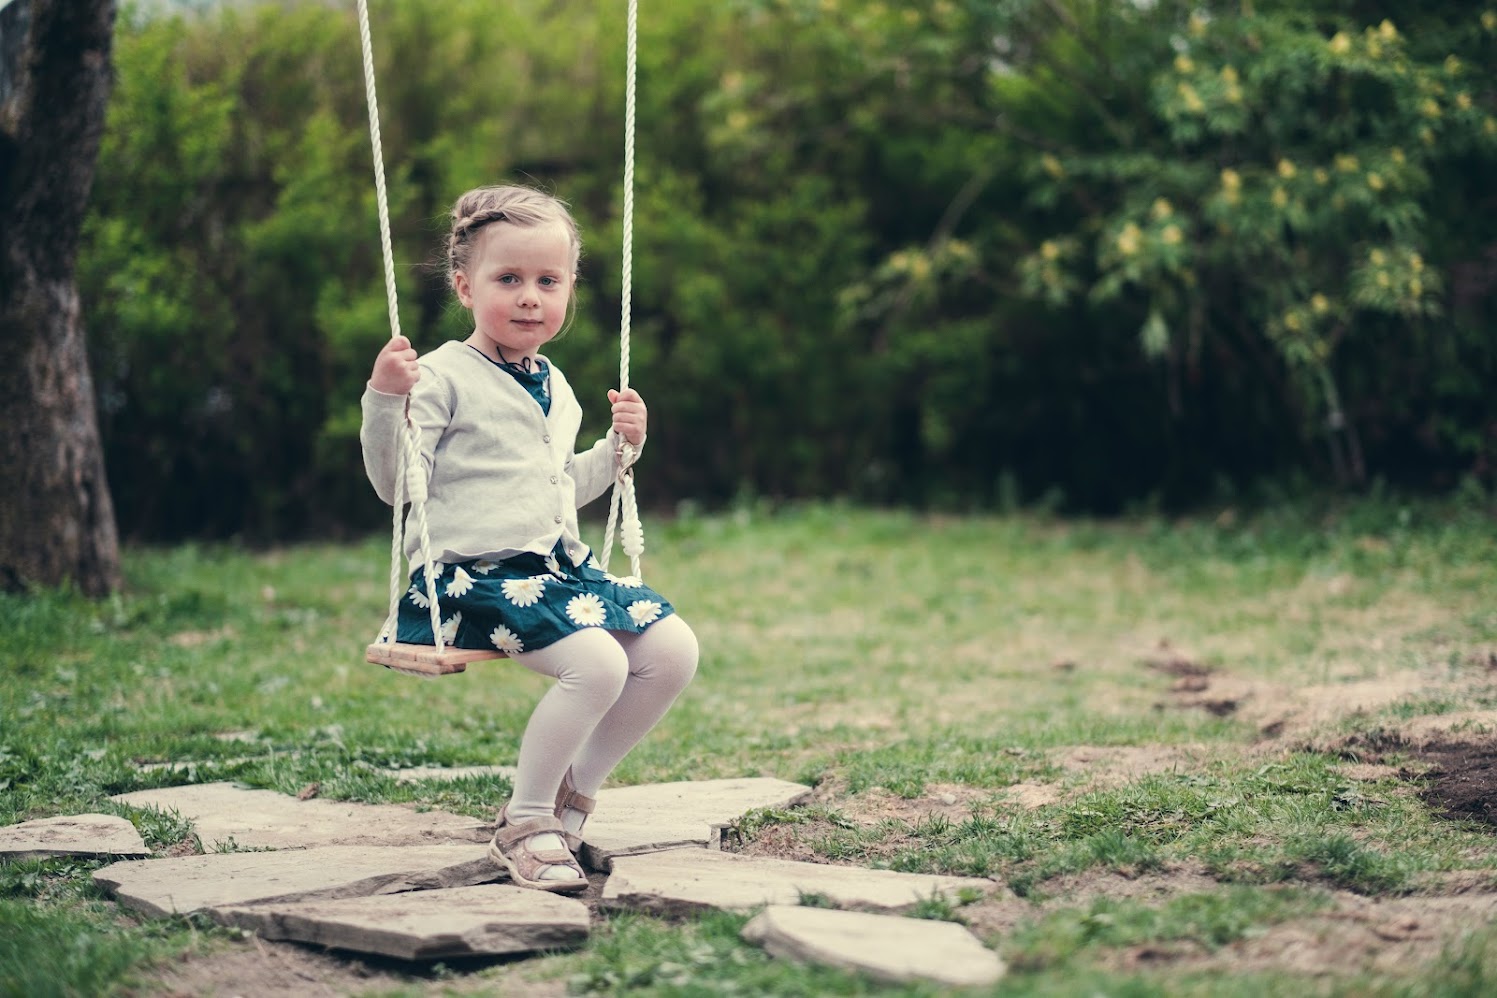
(1231, 755)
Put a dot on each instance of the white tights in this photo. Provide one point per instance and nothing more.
(611, 689)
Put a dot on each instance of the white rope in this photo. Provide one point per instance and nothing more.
(623, 503)
(408, 463)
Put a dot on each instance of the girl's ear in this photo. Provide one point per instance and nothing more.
(460, 286)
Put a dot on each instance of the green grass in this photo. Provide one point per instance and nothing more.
(883, 654)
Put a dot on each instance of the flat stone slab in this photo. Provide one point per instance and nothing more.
(71, 835)
(886, 947)
(684, 881)
(160, 887)
(492, 920)
(263, 819)
(657, 816)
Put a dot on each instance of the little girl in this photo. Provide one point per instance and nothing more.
(498, 425)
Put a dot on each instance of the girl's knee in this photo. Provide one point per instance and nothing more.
(675, 652)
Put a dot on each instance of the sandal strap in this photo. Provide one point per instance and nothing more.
(510, 834)
(568, 797)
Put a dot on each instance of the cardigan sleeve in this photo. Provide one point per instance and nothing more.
(430, 407)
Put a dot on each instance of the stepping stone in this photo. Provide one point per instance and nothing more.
(658, 816)
(263, 819)
(160, 887)
(492, 920)
(887, 947)
(71, 835)
(685, 881)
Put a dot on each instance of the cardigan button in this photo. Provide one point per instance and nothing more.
(555, 480)
(546, 439)
(558, 518)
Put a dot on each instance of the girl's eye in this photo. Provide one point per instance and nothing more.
(547, 282)
(508, 279)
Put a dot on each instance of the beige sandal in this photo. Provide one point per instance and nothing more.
(510, 849)
(567, 798)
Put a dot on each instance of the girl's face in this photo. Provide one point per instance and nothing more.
(517, 285)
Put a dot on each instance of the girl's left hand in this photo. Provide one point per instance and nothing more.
(629, 415)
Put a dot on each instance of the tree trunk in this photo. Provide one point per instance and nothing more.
(56, 517)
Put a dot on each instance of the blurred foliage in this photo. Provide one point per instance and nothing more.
(972, 253)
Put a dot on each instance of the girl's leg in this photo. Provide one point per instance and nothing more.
(661, 662)
(590, 669)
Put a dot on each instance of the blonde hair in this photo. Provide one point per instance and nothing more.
(523, 206)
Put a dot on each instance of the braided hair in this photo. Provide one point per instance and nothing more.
(517, 205)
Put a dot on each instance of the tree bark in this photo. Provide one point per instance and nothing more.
(56, 517)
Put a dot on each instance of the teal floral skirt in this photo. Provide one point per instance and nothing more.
(525, 603)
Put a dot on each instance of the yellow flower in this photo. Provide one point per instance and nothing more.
(1162, 208)
(1280, 197)
(1172, 235)
(1286, 169)
(1340, 43)
(1427, 135)
(1192, 99)
(1292, 322)
(1490, 125)
(1375, 181)
(1321, 175)
(1387, 30)
(1489, 20)
(1197, 25)
(1397, 155)
(1383, 280)
(1346, 163)
(1229, 75)
(1128, 239)
(1233, 94)
(912, 17)
(1416, 262)
(1049, 250)
(731, 81)
(1377, 257)
(1183, 63)
(1231, 180)
(1452, 65)
(1463, 101)
(919, 268)
(1430, 107)
(1374, 48)
(1052, 166)
(1416, 287)
(738, 120)
(1320, 303)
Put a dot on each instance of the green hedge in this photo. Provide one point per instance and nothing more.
(965, 253)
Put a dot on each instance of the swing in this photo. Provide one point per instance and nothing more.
(438, 659)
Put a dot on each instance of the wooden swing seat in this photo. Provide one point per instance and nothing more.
(425, 660)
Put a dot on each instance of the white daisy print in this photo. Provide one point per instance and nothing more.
(484, 567)
(553, 566)
(629, 581)
(460, 584)
(418, 596)
(586, 610)
(644, 612)
(506, 640)
(592, 562)
(524, 592)
(449, 628)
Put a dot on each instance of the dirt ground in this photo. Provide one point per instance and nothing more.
(1449, 759)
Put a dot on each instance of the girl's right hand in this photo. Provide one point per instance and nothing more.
(395, 369)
